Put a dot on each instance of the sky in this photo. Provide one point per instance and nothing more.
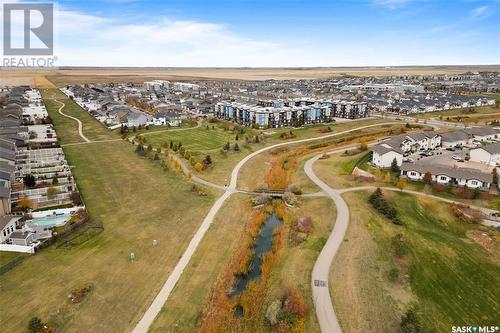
(267, 33)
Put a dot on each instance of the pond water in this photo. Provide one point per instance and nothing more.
(262, 245)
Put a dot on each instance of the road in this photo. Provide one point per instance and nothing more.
(80, 125)
(155, 307)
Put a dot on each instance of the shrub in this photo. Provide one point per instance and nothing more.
(77, 295)
(294, 303)
(199, 167)
(51, 192)
(393, 274)
(207, 160)
(295, 189)
(290, 198)
(410, 323)
(304, 224)
(36, 325)
(438, 187)
(398, 246)
(273, 312)
(139, 150)
(261, 199)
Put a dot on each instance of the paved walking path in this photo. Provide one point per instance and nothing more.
(80, 125)
(155, 307)
(319, 279)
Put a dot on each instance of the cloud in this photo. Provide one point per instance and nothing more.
(391, 4)
(83, 39)
(481, 12)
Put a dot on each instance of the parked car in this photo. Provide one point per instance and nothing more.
(409, 160)
(456, 157)
(451, 149)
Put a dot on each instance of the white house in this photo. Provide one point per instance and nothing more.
(384, 155)
(482, 133)
(398, 146)
(487, 154)
(7, 226)
(471, 178)
(454, 139)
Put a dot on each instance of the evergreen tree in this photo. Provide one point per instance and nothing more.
(394, 165)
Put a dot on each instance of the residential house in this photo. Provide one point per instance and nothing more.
(7, 226)
(486, 154)
(444, 175)
(399, 146)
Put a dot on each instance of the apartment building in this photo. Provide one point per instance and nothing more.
(289, 113)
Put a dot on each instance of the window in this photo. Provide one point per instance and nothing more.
(442, 177)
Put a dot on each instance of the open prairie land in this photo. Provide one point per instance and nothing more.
(68, 75)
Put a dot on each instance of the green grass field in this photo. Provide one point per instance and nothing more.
(67, 128)
(136, 201)
(453, 280)
(199, 141)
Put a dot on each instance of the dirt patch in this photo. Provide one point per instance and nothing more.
(487, 241)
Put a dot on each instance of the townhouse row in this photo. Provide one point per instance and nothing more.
(35, 178)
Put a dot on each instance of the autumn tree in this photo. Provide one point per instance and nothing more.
(427, 178)
(24, 204)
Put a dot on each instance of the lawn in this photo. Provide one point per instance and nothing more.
(181, 311)
(452, 279)
(201, 141)
(136, 201)
(67, 128)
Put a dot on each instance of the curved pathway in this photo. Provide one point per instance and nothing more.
(319, 280)
(155, 307)
(321, 295)
(80, 125)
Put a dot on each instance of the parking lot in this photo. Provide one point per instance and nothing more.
(449, 158)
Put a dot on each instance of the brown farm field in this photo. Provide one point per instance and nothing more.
(68, 75)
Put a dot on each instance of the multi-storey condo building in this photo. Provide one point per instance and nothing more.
(289, 113)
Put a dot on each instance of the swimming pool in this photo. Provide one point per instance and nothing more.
(50, 221)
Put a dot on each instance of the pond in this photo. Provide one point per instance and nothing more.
(262, 245)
